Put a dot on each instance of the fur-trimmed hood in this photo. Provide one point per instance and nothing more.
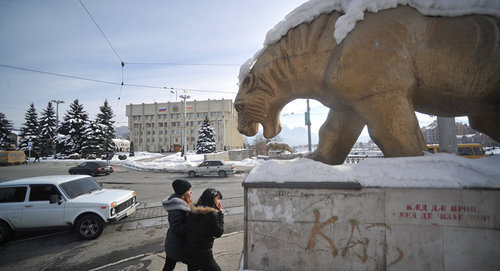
(174, 202)
(202, 209)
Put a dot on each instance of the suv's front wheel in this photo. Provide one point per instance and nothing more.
(89, 226)
(5, 231)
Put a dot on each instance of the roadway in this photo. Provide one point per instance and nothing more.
(141, 233)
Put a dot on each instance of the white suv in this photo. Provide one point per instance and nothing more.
(53, 201)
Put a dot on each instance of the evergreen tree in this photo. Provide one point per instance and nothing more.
(29, 130)
(71, 131)
(6, 142)
(93, 134)
(132, 151)
(47, 131)
(104, 120)
(206, 138)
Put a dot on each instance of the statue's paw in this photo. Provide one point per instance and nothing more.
(311, 155)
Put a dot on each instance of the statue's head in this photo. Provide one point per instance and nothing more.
(255, 103)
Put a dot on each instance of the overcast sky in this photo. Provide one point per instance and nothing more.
(60, 37)
(185, 45)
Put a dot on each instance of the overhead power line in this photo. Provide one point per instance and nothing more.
(112, 83)
(61, 75)
(102, 32)
(182, 64)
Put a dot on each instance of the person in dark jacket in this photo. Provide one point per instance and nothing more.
(205, 222)
(177, 206)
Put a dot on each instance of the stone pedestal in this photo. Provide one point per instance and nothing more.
(344, 226)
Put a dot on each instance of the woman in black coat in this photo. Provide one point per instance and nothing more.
(205, 222)
(177, 206)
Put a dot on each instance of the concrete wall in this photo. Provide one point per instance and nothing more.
(315, 226)
(223, 156)
(238, 155)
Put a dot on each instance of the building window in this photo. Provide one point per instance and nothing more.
(148, 125)
(160, 124)
(219, 114)
(213, 114)
(220, 122)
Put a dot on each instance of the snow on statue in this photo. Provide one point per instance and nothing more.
(391, 64)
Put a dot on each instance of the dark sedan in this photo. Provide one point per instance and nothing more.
(92, 168)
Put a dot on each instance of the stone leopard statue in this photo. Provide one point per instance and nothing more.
(393, 63)
(274, 146)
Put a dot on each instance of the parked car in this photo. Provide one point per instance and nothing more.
(61, 201)
(12, 157)
(467, 150)
(92, 168)
(214, 167)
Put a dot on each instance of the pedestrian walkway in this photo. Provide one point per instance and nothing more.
(227, 253)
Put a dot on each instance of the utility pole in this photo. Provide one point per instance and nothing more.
(57, 121)
(308, 123)
(447, 134)
(184, 130)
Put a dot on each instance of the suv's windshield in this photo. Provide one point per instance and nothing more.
(79, 187)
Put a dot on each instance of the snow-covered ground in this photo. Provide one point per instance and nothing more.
(439, 170)
(430, 170)
(175, 162)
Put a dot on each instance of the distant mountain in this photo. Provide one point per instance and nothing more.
(122, 132)
(298, 136)
(293, 137)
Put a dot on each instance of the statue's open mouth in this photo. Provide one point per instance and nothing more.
(247, 128)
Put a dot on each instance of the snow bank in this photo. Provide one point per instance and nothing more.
(176, 163)
(354, 11)
(428, 171)
(172, 163)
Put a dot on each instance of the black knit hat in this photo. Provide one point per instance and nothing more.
(181, 186)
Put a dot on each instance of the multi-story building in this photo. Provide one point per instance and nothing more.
(160, 127)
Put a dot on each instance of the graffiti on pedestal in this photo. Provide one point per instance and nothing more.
(356, 242)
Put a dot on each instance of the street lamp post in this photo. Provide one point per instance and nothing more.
(184, 130)
(308, 120)
(57, 121)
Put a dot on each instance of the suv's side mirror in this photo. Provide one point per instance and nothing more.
(54, 198)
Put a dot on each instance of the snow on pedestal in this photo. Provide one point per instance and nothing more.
(435, 212)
